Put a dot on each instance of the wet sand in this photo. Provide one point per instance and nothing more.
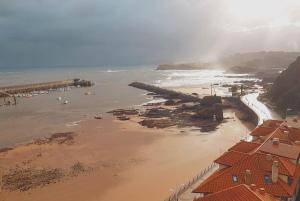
(124, 160)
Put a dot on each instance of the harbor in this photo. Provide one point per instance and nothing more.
(11, 93)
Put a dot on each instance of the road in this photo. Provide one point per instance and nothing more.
(262, 111)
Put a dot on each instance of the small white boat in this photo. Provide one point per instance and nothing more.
(66, 102)
(59, 98)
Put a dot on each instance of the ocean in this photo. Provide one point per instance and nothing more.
(43, 115)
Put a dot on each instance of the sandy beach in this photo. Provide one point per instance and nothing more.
(137, 100)
(108, 159)
(122, 160)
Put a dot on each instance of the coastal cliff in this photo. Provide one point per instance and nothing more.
(286, 88)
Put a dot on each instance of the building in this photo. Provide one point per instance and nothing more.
(270, 162)
(240, 193)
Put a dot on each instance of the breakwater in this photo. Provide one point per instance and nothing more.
(27, 88)
(250, 115)
(260, 109)
(166, 93)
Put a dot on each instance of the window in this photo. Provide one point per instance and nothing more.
(290, 180)
(267, 179)
(234, 178)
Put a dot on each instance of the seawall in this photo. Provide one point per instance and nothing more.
(27, 88)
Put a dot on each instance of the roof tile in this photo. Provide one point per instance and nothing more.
(238, 193)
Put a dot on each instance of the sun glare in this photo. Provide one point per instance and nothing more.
(246, 10)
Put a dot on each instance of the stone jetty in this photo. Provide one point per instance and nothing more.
(27, 88)
(166, 93)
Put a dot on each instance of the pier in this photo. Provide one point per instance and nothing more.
(8, 91)
(166, 93)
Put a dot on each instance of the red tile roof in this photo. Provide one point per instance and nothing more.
(245, 147)
(281, 135)
(230, 158)
(262, 131)
(273, 123)
(286, 167)
(282, 149)
(253, 156)
(294, 134)
(238, 193)
(259, 167)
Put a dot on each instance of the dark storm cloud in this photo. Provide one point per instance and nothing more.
(107, 32)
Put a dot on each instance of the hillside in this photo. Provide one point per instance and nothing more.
(242, 62)
(286, 88)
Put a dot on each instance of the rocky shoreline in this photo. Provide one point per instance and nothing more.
(24, 177)
(183, 110)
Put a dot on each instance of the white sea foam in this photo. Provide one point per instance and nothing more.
(154, 101)
(111, 71)
(74, 123)
(184, 78)
(258, 107)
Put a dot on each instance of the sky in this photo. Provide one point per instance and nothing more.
(142, 32)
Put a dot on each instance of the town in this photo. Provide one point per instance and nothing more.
(263, 169)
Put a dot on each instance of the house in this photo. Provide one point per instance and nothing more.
(269, 162)
(240, 193)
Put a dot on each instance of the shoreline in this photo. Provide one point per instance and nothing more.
(124, 157)
(155, 154)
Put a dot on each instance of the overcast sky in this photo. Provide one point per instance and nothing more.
(137, 32)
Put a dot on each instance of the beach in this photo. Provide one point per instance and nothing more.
(127, 161)
(108, 159)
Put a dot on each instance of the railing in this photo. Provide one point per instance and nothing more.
(175, 195)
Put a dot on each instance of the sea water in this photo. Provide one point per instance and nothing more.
(43, 115)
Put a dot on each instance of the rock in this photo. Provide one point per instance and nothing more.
(28, 178)
(98, 117)
(120, 112)
(286, 88)
(211, 100)
(210, 112)
(82, 83)
(171, 102)
(157, 123)
(77, 169)
(157, 112)
(219, 111)
(191, 106)
(151, 94)
(205, 113)
(166, 93)
(123, 118)
(59, 138)
(5, 149)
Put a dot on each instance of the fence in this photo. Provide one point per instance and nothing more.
(175, 195)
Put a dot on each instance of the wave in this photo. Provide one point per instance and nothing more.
(74, 123)
(111, 71)
(154, 101)
(187, 78)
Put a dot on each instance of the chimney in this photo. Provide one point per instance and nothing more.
(269, 157)
(275, 171)
(275, 141)
(262, 191)
(253, 187)
(248, 177)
